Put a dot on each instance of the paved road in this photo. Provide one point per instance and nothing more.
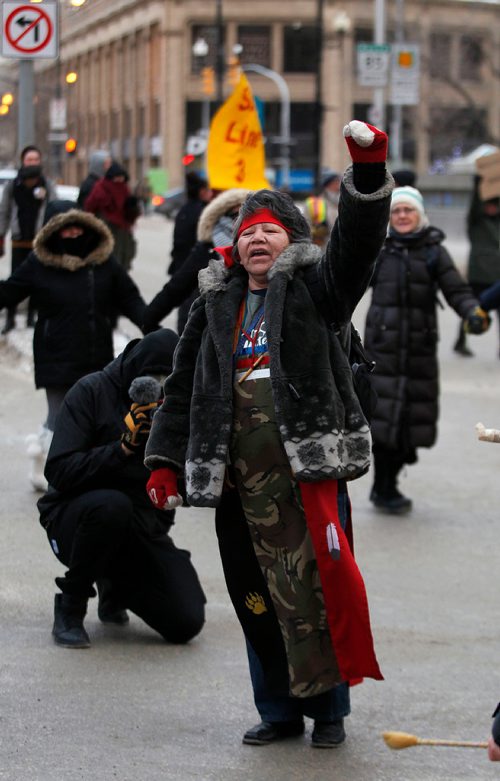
(134, 708)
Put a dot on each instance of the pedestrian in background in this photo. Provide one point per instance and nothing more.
(76, 285)
(214, 229)
(321, 210)
(22, 211)
(401, 336)
(198, 195)
(404, 177)
(97, 515)
(483, 231)
(261, 419)
(494, 739)
(99, 162)
(112, 201)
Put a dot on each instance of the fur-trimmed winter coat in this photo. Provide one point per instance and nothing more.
(401, 336)
(77, 300)
(324, 432)
(184, 282)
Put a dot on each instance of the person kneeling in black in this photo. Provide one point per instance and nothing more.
(99, 520)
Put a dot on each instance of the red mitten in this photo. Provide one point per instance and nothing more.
(162, 489)
(367, 144)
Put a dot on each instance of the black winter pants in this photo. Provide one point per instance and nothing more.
(97, 536)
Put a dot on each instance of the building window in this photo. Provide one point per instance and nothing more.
(256, 43)
(209, 34)
(299, 46)
(456, 129)
(471, 58)
(440, 56)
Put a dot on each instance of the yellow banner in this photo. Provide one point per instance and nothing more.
(235, 152)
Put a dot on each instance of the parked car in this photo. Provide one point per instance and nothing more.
(67, 192)
(169, 203)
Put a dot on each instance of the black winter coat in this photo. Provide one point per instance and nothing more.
(402, 334)
(184, 282)
(184, 237)
(323, 430)
(77, 300)
(86, 452)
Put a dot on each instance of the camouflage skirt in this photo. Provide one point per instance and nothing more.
(272, 505)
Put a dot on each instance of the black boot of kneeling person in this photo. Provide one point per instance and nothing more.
(270, 731)
(68, 629)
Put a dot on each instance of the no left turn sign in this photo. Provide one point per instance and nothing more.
(29, 31)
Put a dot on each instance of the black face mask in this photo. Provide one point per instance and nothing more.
(79, 247)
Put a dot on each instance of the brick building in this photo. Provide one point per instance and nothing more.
(140, 91)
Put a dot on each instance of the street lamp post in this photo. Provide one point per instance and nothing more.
(284, 138)
(200, 51)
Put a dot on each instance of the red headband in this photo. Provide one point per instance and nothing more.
(262, 215)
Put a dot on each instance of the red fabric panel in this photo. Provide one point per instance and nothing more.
(343, 587)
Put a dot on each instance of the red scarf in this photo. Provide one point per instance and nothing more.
(342, 584)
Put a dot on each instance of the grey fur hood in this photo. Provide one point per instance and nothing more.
(100, 254)
(216, 209)
(299, 254)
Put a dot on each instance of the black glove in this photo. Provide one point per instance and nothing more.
(477, 321)
(138, 422)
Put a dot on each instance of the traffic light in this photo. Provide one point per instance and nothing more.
(208, 80)
(70, 146)
(233, 71)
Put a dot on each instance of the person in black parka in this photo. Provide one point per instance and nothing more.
(97, 515)
(483, 268)
(401, 336)
(76, 285)
(214, 229)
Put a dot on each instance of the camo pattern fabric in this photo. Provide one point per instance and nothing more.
(272, 505)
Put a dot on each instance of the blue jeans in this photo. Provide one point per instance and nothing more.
(330, 706)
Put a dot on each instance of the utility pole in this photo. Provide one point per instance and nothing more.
(318, 103)
(26, 122)
(396, 141)
(378, 117)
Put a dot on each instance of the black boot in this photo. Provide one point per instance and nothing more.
(384, 494)
(108, 608)
(10, 321)
(68, 629)
(460, 345)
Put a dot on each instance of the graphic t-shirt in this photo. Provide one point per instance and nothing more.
(251, 347)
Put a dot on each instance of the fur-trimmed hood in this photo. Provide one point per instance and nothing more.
(220, 205)
(297, 255)
(100, 254)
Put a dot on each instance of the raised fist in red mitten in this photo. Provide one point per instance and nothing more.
(367, 144)
(162, 489)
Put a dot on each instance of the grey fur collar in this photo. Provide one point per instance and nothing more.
(295, 256)
(215, 209)
(71, 262)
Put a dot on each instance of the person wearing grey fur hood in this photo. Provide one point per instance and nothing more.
(261, 421)
(77, 287)
(214, 228)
